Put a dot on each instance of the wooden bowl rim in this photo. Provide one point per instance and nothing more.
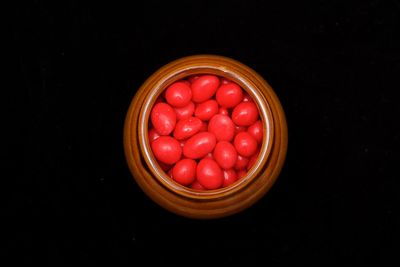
(203, 64)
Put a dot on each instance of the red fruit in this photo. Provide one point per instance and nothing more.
(222, 127)
(166, 149)
(153, 135)
(245, 144)
(209, 174)
(186, 128)
(241, 174)
(223, 111)
(256, 130)
(204, 111)
(229, 95)
(185, 112)
(241, 163)
(197, 186)
(178, 94)
(225, 154)
(199, 145)
(163, 118)
(245, 114)
(252, 160)
(230, 177)
(184, 171)
(204, 88)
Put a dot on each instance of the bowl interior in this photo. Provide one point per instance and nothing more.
(161, 81)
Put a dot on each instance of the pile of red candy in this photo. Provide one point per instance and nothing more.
(205, 132)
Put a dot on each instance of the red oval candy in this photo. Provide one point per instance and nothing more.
(230, 177)
(256, 130)
(163, 118)
(229, 95)
(204, 111)
(245, 144)
(204, 88)
(185, 128)
(209, 174)
(166, 149)
(178, 94)
(225, 154)
(222, 127)
(184, 171)
(199, 145)
(185, 112)
(245, 114)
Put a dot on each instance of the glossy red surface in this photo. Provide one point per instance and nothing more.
(229, 95)
(225, 155)
(209, 174)
(245, 114)
(230, 177)
(178, 94)
(222, 127)
(186, 128)
(166, 149)
(199, 145)
(185, 112)
(245, 144)
(256, 130)
(204, 87)
(184, 171)
(206, 110)
(163, 118)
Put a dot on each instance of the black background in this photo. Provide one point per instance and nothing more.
(333, 64)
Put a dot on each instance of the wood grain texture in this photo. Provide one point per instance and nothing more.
(212, 203)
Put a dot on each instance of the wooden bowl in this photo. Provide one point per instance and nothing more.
(211, 203)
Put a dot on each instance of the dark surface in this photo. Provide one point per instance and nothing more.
(334, 65)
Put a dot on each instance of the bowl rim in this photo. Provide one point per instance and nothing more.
(207, 64)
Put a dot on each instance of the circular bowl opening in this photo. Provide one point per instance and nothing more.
(207, 204)
(179, 74)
